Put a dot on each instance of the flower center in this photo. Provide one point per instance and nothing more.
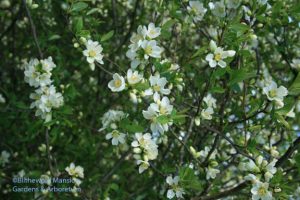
(163, 110)
(148, 50)
(218, 57)
(262, 191)
(152, 32)
(273, 93)
(115, 133)
(156, 88)
(118, 83)
(92, 53)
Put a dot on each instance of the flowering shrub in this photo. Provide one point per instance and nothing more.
(137, 99)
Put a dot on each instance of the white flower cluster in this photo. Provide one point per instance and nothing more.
(143, 46)
(210, 102)
(260, 166)
(109, 122)
(93, 53)
(38, 74)
(218, 55)
(145, 149)
(76, 172)
(175, 189)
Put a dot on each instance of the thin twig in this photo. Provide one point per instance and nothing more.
(33, 29)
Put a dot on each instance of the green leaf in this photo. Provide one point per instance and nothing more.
(189, 180)
(54, 37)
(295, 87)
(165, 29)
(107, 36)
(79, 6)
(281, 120)
(163, 119)
(92, 11)
(240, 75)
(78, 24)
(217, 90)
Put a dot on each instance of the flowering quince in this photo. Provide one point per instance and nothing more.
(157, 87)
(260, 191)
(216, 58)
(175, 189)
(75, 171)
(275, 93)
(116, 137)
(133, 77)
(207, 113)
(117, 84)
(152, 31)
(151, 49)
(197, 9)
(93, 53)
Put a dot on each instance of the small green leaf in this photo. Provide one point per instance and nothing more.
(295, 87)
(240, 75)
(79, 6)
(92, 11)
(54, 37)
(107, 36)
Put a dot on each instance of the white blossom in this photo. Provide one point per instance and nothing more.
(133, 77)
(219, 9)
(197, 9)
(232, 4)
(45, 99)
(175, 189)
(151, 49)
(216, 58)
(152, 31)
(157, 88)
(275, 93)
(143, 143)
(117, 84)
(207, 113)
(296, 64)
(4, 159)
(2, 99)
(38, 73)
(143, 165)
(116, 137)
(111, 116)
(260, 191)
(93, 53)
(75, 171)
(211, 173)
